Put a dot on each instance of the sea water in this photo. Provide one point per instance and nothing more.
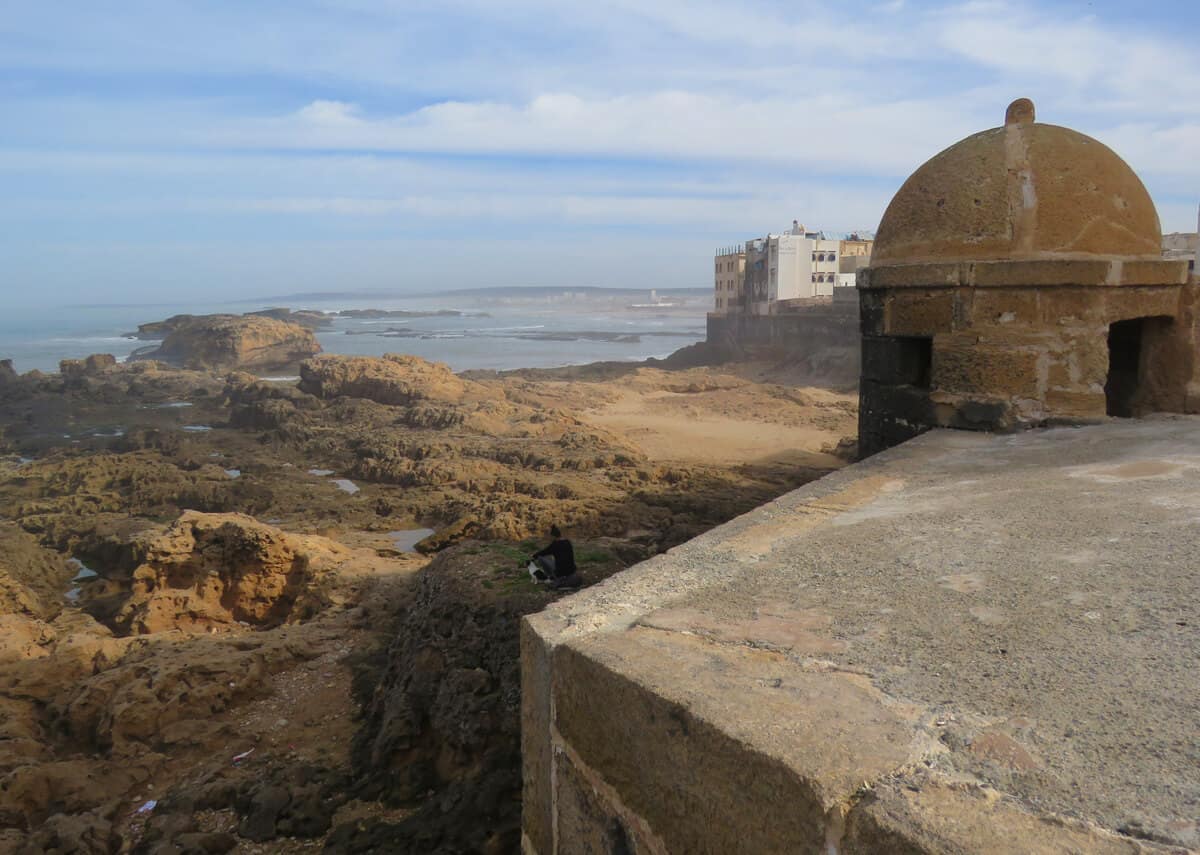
(494, 332)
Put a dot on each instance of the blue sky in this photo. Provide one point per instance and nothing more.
(151, 148)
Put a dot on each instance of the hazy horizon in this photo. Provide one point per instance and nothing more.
(219, 149)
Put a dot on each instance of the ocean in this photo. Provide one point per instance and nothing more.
(491, 331)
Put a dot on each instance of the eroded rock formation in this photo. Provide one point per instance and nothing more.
(445, 718)
(225, 342)
(396, 379)
(207, 571)
(32, 582)
(193, 646)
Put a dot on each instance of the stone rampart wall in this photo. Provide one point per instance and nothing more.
(816, 676)
(824, 338)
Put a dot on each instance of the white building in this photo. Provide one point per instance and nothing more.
(779, 268)
(792, 266)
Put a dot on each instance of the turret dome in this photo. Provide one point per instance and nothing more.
(1022, 191)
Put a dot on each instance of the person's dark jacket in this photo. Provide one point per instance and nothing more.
(564, 556)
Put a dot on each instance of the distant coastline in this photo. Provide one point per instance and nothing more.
(359, 296)
(540, 327)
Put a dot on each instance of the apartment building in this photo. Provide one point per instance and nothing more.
(729, 273)
(796, 265)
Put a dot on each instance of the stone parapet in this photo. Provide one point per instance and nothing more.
(888, 660)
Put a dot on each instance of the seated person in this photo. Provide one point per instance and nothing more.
(557, 561)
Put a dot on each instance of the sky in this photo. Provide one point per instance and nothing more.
(156, 149)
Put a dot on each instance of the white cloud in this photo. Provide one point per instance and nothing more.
(1075, 56)
(329, 114)
(691, 121)
(821, 130)
(1170, 151)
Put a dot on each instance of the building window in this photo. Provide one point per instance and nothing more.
(821, 257)
(833, 256)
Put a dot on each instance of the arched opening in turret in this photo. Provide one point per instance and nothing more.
(1135, 346)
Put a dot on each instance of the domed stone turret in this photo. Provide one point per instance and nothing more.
(1017, 280)
(1021, 191)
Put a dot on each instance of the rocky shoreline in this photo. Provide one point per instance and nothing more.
(252, 658)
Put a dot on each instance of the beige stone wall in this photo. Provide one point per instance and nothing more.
(1026, 343)
(855, 248)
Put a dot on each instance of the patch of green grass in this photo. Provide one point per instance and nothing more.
(506, 552)
(520, 583)
(591, 555)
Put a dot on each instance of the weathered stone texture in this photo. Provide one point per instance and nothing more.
(968, 644)
(588, 821)
(922, 314)
(1019, 190)
(776, 743)
(935, 819)
(1039, 273)
(229, 342)
(1003, 308)
(1154, 273)
(973, 368)
(536, 752)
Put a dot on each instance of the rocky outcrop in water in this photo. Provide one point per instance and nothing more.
(158, 330)
(302, 317)
(230, 342)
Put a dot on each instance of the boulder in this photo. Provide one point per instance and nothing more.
(230, 342)
(396, 379)
(98, 362)
(211, 570)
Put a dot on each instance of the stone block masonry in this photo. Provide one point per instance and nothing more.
(937, 650)
(824, 338)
